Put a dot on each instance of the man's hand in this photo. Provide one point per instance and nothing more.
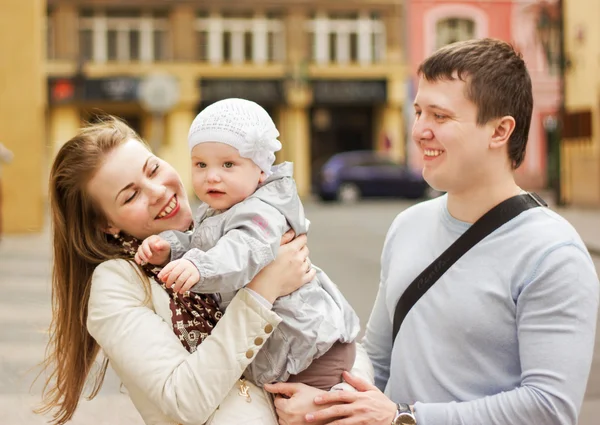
(293, 401)
(154, 250)
(367, 405)
(180, 274)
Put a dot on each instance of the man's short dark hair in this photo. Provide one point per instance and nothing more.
(497, 82)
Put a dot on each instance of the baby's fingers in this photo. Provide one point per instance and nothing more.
(147, 250)
(140, 257)
(166, 271)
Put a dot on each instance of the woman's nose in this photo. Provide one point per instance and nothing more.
(156, 191)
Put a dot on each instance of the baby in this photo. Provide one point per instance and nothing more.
(247, 205)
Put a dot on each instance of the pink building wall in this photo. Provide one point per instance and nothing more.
(511, 21)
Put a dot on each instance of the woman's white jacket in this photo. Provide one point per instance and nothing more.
(168, 385)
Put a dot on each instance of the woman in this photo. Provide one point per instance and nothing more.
(107, 193)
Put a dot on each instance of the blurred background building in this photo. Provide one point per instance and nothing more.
(433, 24)
(335, 76)
(329, 73)
(580, 144)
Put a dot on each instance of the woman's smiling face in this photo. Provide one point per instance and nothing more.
(139, 193)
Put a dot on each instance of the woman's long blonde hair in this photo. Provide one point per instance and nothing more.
(79, 245)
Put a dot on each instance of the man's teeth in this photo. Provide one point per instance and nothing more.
(432, 152)
(169, 208)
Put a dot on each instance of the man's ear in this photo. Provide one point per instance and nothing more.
(262, 177)
(502, 130)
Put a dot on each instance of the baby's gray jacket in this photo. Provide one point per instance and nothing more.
(229, 248)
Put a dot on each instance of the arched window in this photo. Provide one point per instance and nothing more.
(451, 30)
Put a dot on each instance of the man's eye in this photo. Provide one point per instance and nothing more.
(228, 164)
(439, 117)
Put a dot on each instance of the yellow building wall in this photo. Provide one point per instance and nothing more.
(580, 159)
(64, 121)
(22, 108)
(175, 149)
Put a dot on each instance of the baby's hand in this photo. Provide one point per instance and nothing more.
(154, 250)
(180, 274)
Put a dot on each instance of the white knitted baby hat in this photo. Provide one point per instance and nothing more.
(242, 124)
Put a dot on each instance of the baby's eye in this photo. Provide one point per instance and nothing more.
(228, 164)
(201, 164)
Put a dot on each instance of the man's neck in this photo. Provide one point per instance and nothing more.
(471, 204)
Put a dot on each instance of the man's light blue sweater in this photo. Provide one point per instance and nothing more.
(506, 336)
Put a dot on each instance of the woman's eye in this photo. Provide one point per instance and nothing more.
(154, 169)
(417, 113)
(439, 117)
(128, 200)
(228, 164)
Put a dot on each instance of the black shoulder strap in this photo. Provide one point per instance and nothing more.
(490, 221)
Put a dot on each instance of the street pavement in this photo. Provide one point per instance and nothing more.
(346, 241)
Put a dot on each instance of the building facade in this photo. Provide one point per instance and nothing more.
(436, 23)
(22, 112)
(580, 144)
(331, 74)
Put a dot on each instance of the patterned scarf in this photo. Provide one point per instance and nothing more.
(193, 316)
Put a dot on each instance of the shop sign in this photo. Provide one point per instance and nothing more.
(115, 89)
(259, 91)
(349, 91)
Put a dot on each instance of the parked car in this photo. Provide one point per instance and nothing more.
(350, 176)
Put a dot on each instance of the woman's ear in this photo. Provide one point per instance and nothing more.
(502, 130)
(111, 230)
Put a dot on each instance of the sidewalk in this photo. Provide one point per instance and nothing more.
(585, 220)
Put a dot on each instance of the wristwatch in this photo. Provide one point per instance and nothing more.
(404, 415)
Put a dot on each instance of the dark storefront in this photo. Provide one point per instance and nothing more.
(267, 93)
(342, 117)
(99, 96)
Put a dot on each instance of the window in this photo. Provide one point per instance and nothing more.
(134, 45)
(123, 35)
(577, 125)
(353, 47)
(332, 46)
(347, 37)
(86, 44)
(248, 46)
(202, 44)
(227, 46)
(244, 37)
(160, 45)
(451, 30)
(49, 29)
(112, 45)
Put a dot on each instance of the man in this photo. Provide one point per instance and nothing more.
(506, 335)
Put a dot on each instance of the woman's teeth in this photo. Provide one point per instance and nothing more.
(432, 152)
(169, 208)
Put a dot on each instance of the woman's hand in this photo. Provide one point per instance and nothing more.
(293, 401)
(290, 270)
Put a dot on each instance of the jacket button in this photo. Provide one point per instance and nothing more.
(249, 354)
(269, 328)
(258, 341)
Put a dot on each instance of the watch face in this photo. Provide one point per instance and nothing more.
(406, 419)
